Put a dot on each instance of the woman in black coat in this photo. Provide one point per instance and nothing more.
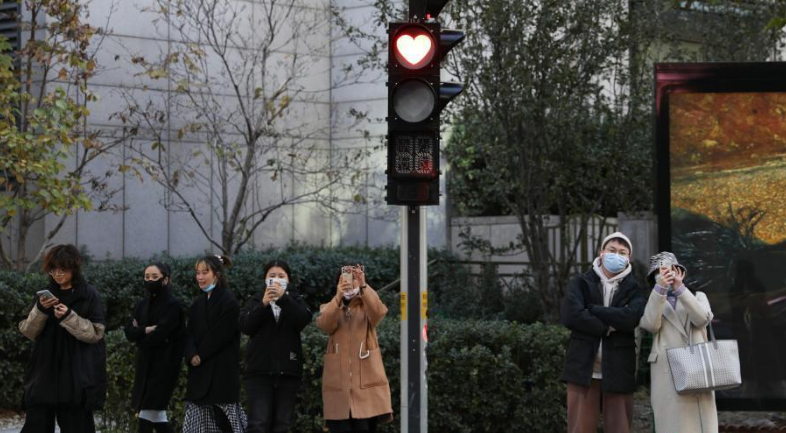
(158, 329)
(213, 354)
(274, 319)
(66, 376)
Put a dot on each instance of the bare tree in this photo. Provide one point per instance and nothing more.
(239, 76)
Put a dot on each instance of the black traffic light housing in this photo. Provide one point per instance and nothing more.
(416, 96)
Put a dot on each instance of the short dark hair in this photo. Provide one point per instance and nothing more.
(64, 256)
(217, 264)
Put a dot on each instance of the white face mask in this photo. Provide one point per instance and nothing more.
(352, 293)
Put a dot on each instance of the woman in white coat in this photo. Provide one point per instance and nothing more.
(671, 313)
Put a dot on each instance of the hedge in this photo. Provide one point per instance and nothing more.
(484, 376)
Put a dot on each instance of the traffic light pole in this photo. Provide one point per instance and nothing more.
(416, 96)
(414, 304)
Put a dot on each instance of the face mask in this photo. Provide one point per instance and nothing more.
(154, 286)
(352, 293)
(614, 262)
(210, 288)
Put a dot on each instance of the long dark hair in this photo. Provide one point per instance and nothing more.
(165, 270)
(64, 256)
(217, 264)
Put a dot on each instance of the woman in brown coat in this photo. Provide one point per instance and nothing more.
(355, 389)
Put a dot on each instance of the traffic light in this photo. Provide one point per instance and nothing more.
(415, 99)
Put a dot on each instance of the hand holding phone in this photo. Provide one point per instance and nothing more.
(47, 299)
(666, 273)
(348, 274)
(346, 281)
(44, 294)
(270, 295)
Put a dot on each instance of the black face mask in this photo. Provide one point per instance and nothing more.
(154, 286)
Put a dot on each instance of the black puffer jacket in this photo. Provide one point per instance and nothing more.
(159, 353)
(213, 334)
(275, 347)
(582, 312)
(64, 370)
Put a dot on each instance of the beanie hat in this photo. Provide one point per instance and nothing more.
(617, 235)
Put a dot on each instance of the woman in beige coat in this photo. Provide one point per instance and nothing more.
(671, 312)
(355, 389)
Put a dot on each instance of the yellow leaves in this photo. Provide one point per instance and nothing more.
(285, 100)
(157, 73)
(190, 64)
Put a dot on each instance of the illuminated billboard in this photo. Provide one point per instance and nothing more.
(721, 205)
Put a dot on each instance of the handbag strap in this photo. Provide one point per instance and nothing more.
(711, 334)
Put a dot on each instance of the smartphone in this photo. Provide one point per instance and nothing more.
(665, 264)
(347, 275)
(46, 294)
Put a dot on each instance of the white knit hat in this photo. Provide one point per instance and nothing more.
(617, 235)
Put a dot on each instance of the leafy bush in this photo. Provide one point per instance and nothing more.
(483, 375)
(494, 376)
(488, 376)
(16, 290)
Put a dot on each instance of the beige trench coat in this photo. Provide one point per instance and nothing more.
(353, 378)
(676, 413)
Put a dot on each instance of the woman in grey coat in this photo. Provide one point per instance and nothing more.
(671, 313)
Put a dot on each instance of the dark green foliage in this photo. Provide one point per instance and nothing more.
(14, 348)
(503, 377)
(480, 372)
(488, 376)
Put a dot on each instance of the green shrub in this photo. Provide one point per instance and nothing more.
(484, 376)
(16, 291)
(496, 377)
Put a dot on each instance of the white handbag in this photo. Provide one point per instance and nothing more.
(704, 367)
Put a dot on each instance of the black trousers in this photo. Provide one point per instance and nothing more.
(367, 425)
(146, 426)
(271, 403)
(71, 419)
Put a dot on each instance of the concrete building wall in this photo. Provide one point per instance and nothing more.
(149, 221)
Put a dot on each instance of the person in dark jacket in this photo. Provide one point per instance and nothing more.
(66, 376)
(602, 309)
(274, 319)
(157, 326)
(213, 354)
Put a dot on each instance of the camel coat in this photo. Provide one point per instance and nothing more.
(353, 379)
(676, 413)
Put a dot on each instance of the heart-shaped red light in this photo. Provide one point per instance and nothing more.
(413, 49)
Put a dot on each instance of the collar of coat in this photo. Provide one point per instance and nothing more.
(625, 285)
(673, 316)
(215, 295)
